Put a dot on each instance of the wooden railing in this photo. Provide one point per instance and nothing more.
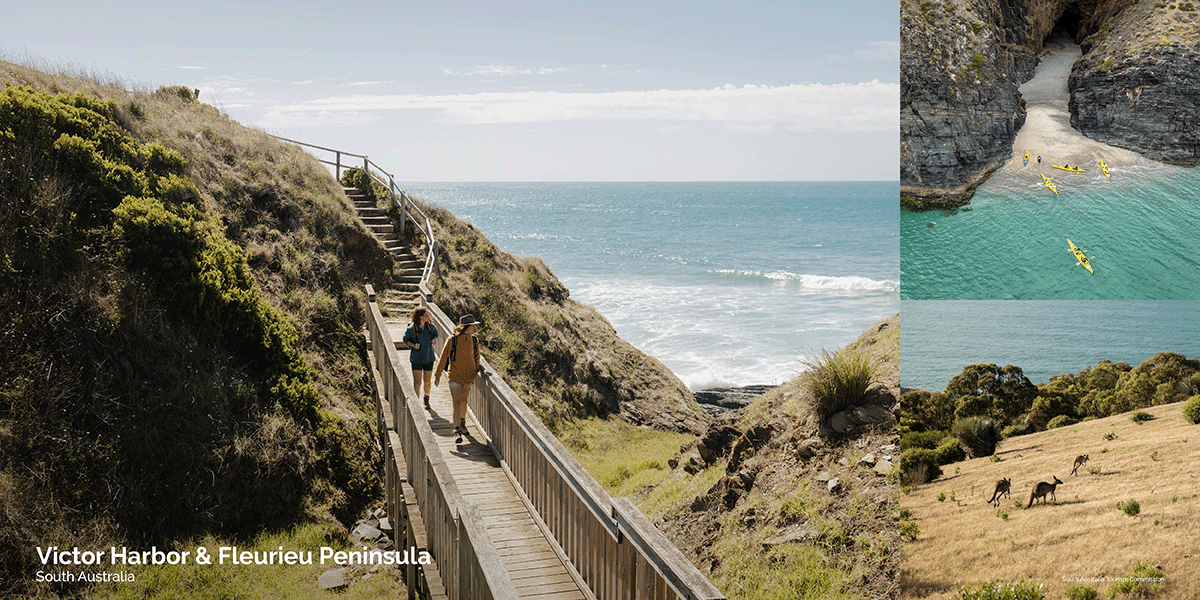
(398, 198)
(616, 551)
(457, 538)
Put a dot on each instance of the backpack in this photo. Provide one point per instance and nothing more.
(454, 349)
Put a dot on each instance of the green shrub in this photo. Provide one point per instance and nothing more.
(839, 379)
(977, 435)
(1130, 507)
(949, 452)
(1020, 426)
(919, 465)
(910, 530)
(995, 590)
(922, 439)
(1060, 421)
(1143, 581)
(1191, 410)
(1141, 416)
(1080, 592)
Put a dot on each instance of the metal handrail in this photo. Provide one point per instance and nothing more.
(398, 199)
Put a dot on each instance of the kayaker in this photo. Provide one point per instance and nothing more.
(1039, 160)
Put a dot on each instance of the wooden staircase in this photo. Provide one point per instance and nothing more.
(403, 295)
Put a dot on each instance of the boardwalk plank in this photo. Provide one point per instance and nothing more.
(532, 562)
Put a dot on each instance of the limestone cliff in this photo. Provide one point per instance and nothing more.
(962, 61)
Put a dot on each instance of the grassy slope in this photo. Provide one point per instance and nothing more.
(168, 434)
(1084, 534)
(309, 258)
(856, 555)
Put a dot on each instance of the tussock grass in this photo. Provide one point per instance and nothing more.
(1084, 534)
(839, 379)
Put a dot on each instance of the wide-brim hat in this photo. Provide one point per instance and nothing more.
(467, 320)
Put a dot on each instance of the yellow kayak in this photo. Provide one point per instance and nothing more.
(1049, 184)
(1026, 158)
(1070, 168)
(1083, 260)
(1104, 168)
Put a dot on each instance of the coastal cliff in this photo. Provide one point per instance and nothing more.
(963, 60)
(1137, 84)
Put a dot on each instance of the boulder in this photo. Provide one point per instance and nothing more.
(871, 415)
(365, 532)
(809, 448)
(796, 533)
(883, 467)
(332, 579)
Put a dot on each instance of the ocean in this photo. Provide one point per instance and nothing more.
(1045, 338)
(727, 283)
(1140, 229)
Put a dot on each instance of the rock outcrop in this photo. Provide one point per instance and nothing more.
(1137, 84)
(960, 65)
(962, 61)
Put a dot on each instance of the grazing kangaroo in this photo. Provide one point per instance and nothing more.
(1083, 458)
(1041, 490)
(1002, 487)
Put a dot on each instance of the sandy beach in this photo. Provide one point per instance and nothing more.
(1047, 131)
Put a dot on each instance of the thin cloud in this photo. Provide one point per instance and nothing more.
(192, 68)
(799, 107)
(501, 71)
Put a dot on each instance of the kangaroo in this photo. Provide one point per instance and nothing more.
(1001, 490)
(1041, 490)
(1083, 458)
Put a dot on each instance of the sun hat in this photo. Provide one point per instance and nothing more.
(467, 320)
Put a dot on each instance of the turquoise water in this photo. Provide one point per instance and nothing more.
(727, 283)
(1044, 338)
(1141, 229)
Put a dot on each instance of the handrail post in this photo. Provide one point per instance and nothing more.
(339, 166)
(403, 210)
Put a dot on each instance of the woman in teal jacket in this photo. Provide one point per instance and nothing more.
(419, 338)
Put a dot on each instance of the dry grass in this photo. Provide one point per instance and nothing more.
(1084, 534)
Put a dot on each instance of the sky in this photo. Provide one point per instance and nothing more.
(517, 91)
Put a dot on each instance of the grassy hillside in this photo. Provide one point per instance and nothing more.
(179, 347)
(756, 515)
(963, 540)
(180, 357)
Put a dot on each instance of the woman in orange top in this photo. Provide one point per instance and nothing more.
(461, 358)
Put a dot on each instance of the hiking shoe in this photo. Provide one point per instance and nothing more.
(426, 402)
(458, 440)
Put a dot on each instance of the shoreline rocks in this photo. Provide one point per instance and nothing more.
(723, 402)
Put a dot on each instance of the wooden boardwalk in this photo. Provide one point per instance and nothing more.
(509, 513)
(533, 561)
